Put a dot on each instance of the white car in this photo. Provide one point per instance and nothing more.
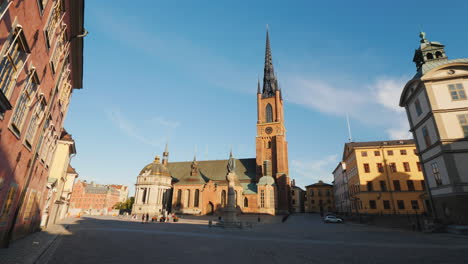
(332, 219)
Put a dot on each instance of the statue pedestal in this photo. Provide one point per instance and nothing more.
(230, 211)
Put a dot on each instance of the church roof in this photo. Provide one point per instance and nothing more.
(215, 170)
(433, 64)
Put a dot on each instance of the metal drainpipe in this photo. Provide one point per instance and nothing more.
(388, 179)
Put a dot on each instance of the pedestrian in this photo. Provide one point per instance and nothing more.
(143, 219)
(147, 218)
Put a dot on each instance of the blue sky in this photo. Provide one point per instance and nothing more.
(186, 72)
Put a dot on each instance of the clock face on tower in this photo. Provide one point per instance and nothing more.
(268, 130)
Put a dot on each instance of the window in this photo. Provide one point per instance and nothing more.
(463, 119)
(262, 198)
(4, 4)
(269, 113)
(383, 186)
(29, 206)
(436, 173)
(372, 204)
(401, 204)
(54, 23)
(36, 118)
(414, 204)
(418, 165)
(376, 153)
(380, 167)
(188, 199)
(423, 185)
(390, 152)
(311, 193)
(42, 5)
(386, 204)
(23, 103)
(312, 201)
(366, 167)
(417, 105)
(402, 151)
(396, 185)
(12, 61)
(179, 197)
(370, 186)
(410, 184)
(269, 145)
(393, 167)
(364, 153)
(406, 166)
(59, 51)
(8, 203)
(426, 137)
(246, 202)
(319, 193)
(457, 92)
(328, 193)
(196, 201)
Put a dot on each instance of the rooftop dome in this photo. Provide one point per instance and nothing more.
(155, 168)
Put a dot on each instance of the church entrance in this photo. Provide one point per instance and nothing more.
(210, 208)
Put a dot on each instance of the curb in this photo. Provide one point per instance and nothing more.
(47, 247)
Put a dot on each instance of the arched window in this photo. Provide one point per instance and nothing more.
(269, 113)
(179, 197)
(246, 202)
(197, 198)
(188, 199)
(223, 198)
(438, 54)
(429, 56)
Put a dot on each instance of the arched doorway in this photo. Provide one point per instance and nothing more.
(210, 208)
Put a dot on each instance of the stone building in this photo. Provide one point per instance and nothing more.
(437, 108)
(123, 192)
(319, 198)
(200, 187)
(61, 179)
(93, 199)
(153, 190)
(297, 198)
(41, 64)
(340, 189)
(384, 177)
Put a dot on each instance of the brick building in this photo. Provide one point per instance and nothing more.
(200, 187)
(41, 63)
(94, 199)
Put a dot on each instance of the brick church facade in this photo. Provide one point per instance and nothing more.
(200, 187)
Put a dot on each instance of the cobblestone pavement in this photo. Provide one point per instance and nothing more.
(302, 239)
(27, 250)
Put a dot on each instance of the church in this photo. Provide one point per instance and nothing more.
(200, 187)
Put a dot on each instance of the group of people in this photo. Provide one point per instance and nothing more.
(145, 218)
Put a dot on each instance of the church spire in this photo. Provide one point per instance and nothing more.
(166, 155)
(270, 83)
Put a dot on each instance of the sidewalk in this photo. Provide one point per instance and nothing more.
(29, 248)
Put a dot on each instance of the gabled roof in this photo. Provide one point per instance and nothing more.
(215, 170)
(319, 184)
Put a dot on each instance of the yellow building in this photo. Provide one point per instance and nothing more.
(319, 198)
(384, 177)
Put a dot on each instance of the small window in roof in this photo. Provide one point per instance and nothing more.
(429, 56)
(438, 54)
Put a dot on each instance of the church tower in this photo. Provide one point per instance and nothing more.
(271, 142)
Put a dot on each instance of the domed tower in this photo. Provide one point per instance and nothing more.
(153, 189)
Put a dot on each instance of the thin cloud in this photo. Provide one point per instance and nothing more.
(306, 172)
(374, 104)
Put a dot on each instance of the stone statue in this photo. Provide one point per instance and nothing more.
(231, 163)
(230, 210)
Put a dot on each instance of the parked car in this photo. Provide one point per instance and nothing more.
(332, 219)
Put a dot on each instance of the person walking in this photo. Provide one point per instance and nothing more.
(147, 218)
(143, 218)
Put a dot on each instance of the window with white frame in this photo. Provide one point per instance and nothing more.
(42, 5)
(427, 138)
(54, 24)
(34, 123)
(436, 173)
(464, 123)
(457, 92)
(4, 4)
(12, 61)
(23, 103)
(59, 51)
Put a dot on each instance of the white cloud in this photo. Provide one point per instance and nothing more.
(388, 91)
(143, 133)
(307, 172)
(375, 104)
